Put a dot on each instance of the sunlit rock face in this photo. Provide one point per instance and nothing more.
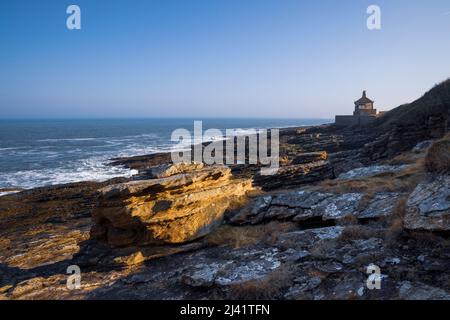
(186, 203)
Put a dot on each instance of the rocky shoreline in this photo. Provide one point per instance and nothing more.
(343, 199)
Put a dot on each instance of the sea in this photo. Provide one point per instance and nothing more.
(45, 152)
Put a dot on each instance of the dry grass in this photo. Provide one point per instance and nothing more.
(395, 222)
(348, 220)
(408, 157)
(357, 232)
(268, 288)
(323, 248)
(238, 237)
(437, 159)
(426, 239)
(365, 200)
(402, 181)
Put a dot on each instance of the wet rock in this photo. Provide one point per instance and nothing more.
(428, 206)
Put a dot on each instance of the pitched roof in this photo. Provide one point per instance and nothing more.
(363, 99)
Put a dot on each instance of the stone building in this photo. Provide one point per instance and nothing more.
(364, 106)
(364, 113)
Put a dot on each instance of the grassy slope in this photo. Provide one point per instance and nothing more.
(435, 102)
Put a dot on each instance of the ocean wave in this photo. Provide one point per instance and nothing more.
(4, 193)
(116, 138)
(11, 148)
(59, 163)
(92, 169)
(66, 139)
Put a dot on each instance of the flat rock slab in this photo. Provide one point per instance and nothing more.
(295, 175)
(303, 205)
(428, 206)
(420, 291)
(247, 265)
(304, 239)
(371, 171)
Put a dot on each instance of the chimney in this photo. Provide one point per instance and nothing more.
(364, 93)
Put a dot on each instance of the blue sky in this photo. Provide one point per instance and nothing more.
(217, 58)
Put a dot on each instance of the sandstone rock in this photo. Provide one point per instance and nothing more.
(428, 206)
(167, 170)
(308, 157)
(175, 209)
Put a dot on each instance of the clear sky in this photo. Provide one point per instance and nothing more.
(217, 58)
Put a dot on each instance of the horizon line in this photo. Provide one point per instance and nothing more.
(163, 118)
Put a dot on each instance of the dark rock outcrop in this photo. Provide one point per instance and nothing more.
(428, 207)
(305, 205)
(295, 175)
